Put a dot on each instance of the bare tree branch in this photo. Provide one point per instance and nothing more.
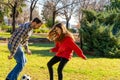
(34, 4)
(67, 5)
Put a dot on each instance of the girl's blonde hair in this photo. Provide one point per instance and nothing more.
(64, 32)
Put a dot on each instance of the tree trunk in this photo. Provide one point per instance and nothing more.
(13, 18)
(81, 41)
(30, 14)
(67, 24)
(54, 14)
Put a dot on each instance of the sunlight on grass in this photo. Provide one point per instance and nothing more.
(76, 69)
(5, 34)
(39, 35)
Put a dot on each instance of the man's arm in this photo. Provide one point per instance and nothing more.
(27, 48)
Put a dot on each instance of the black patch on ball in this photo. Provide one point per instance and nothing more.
(23, 77)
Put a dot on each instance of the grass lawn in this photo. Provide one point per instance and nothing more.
(4, 34)
(77, 69)
(39, 35)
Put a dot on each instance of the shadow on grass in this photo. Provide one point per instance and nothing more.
(46, 52)
(42, 44)
(42, 53)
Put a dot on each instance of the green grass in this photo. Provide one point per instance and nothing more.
(39, 35)
(4, 34)
(76, 69)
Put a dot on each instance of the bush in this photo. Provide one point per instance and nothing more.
(90, 15)
(106, 18)
(116, 27)
(73, 30)
(101, 32)
(42, 30)
(110, 19)
(5, 27)
(99, 38)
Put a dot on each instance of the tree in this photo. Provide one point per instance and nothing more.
(69, 10)
(1, 13)
(88, 5)
(15, 7)
(32, 7)
(113, 4)
(83, 4)
(54, 6)
(47, 11)
(4, 11)
(26, 15)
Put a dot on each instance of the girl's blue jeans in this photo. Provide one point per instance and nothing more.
(20, 60)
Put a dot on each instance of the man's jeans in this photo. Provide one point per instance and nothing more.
(20, 60)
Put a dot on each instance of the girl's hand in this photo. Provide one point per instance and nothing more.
(50, 51)
(85, 58)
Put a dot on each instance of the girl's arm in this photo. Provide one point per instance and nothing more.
(77, 50)
(55, 49)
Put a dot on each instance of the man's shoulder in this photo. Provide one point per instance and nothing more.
(25, 25)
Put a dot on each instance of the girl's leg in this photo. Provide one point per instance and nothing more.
(53, 61)
(62, 64)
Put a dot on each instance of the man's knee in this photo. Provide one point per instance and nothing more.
(21, 65)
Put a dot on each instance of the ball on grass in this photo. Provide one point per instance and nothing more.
(25, 77)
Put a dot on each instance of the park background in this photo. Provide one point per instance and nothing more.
(94, 23)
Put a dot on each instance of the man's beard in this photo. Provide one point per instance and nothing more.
(33, 26)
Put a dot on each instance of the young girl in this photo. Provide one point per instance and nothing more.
(65, 45)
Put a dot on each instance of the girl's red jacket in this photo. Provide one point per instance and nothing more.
(66, 47)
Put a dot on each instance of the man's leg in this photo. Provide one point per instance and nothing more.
(20, 60)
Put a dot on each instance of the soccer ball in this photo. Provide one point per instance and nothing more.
(26, 77)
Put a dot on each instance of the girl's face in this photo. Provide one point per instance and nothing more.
(55, 33)
(58, 30)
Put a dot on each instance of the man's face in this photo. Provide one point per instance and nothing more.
(35, 25)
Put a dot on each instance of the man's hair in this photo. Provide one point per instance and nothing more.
(37, 20)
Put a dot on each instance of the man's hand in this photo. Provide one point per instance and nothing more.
(28, 52)
(10, 57)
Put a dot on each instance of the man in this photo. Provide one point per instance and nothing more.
(18, 39)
